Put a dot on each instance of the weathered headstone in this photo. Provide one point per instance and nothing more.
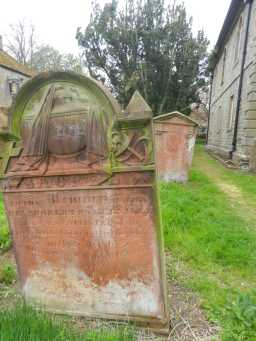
(175, 136)
(80, 197)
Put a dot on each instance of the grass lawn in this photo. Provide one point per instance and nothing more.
(5, 241)
(213, 245)
(25, 324)
(210, 235)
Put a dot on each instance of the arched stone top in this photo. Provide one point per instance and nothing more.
(85, 90)
(70, 123)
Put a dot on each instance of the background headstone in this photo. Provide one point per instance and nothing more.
(175, 136)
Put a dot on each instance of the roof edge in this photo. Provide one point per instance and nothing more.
(175, 114)
(235, 8)
(10, 63)
(16, 71)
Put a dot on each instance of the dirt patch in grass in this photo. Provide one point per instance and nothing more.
(7, 257)
(228, 181)
(232, 191)
(188, 321)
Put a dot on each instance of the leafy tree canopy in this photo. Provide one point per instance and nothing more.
(48, 58)
(148, 46)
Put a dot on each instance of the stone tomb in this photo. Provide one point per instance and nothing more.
(79, 190)
(175, 136)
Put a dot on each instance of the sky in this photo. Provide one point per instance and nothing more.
(56, 21)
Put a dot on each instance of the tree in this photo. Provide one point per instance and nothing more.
(147, 46)
(48, 58)
(21, 42)
(24, 47)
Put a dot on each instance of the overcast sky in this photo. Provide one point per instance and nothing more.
(56, 21)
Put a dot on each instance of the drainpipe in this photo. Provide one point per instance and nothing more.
(234, 142)
(209, 111)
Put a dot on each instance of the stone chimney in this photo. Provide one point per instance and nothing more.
(1, 43)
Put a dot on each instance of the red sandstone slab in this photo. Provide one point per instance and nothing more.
(81, 199)
(89, 252)
(175, 136)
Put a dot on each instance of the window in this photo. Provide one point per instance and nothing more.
(14, 85)
(219, 119)
(223, 66)
(238, 39)
(231, 112)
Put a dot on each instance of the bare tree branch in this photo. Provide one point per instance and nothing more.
(21, 43)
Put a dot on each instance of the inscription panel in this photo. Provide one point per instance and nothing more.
(88, 249)
(78, 181)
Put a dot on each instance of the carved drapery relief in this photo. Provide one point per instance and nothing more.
(63, 123)
(65, 129)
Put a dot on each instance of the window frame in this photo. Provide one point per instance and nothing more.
(238, 39)
(231, 112)
(224, 59)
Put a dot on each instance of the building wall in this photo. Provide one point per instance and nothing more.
(3, 119)
(222, 116)
(5, 75)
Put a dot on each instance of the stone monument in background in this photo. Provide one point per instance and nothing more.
(80, 195)
(175, 137)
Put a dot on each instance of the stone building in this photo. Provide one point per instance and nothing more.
(232, 121)
(12, 76)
